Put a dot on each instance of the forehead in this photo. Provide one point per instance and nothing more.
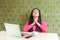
(35, 10)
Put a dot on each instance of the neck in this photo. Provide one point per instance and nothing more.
(35, 18)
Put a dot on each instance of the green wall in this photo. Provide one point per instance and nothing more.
(18, 11)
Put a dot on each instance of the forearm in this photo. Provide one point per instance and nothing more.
(44, 28)
(27, 27)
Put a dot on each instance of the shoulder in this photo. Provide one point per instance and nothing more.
(27, 20)
(43, 20)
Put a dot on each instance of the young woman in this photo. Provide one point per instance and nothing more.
(35, 23)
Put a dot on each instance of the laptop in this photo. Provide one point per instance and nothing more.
(13, 29)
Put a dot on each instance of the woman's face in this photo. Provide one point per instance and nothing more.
(35, 13)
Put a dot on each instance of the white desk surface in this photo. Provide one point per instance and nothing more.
(41, 36)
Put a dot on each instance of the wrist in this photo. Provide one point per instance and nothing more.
(38, 24)
(32, 23)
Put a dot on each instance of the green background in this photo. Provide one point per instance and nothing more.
(18, 11)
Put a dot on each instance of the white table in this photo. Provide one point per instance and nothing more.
(41, 36)
(46, 36)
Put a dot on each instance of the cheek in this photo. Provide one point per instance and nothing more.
(37, 14)
(33, 14)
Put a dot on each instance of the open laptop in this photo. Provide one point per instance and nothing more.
(12, 29)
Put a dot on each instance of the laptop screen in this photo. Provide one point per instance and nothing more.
(12, 29)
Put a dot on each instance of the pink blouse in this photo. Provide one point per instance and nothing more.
(43, 26)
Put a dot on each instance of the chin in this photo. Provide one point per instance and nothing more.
(36, 16)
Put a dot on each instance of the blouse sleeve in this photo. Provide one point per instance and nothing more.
(44, 26)
(26, 27)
